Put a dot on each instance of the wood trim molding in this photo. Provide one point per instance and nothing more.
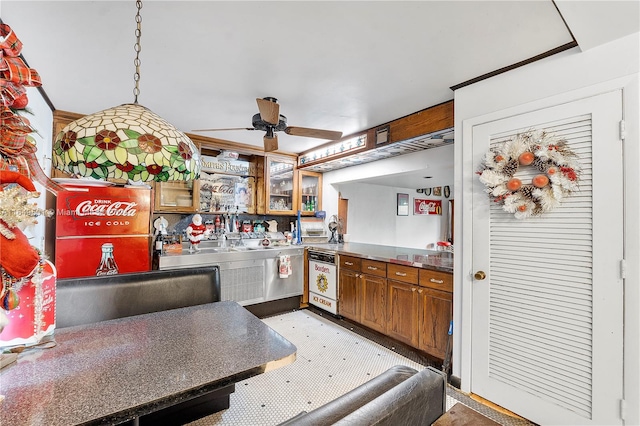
(543, 55)
(429, 120)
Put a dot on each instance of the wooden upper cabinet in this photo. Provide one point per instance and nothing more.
(280, 186)
(309, 192)
(177, 196)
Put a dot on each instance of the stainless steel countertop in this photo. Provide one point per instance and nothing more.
(216, 255)
(113, 371)
(428, 259)
(210, 255)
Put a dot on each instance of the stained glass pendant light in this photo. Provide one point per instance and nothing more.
(126, 142)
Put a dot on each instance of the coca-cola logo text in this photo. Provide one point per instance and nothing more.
(427, 207)
(422, 206)
(221, 188)
(106, 208)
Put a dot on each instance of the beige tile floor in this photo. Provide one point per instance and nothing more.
(331, 360)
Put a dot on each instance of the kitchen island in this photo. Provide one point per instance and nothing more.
(120, 370)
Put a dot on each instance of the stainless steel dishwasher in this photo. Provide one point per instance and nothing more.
(279, 288)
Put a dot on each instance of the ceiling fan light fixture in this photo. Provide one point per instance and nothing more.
(269, 120)
(126, 142)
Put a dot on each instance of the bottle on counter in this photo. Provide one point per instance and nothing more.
(158, 244)
(158, 248)
(217, 224)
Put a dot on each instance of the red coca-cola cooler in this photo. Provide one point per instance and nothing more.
(102, 231)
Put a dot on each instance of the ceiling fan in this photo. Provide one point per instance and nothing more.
(270, 121)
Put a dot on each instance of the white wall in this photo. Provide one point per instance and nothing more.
(372, 214)
(563, 76)
(372, 217)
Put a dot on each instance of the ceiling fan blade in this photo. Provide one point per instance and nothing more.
(270, 143)
(313, 133)
(269, 110)
(221, 130)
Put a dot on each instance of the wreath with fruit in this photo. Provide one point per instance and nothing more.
(556, 167)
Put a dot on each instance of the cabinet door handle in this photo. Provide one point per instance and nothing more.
(413, 289)
(348, 263)
(420, 291)
(401, 274)
(372, 268)
(433, 280)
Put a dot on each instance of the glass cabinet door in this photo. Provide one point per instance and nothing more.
(176, 196)
(310, 196)
(280, 186)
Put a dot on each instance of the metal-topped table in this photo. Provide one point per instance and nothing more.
(119, 370)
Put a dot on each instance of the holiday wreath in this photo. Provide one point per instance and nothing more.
(558, 177)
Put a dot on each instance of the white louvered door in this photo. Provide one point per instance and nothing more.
(547, 330)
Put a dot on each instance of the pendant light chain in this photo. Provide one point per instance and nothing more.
(137, 48)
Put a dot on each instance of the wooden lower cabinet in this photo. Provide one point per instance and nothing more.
(350, 294)
(373, 309)
(409, 304)
(402, 312)
(435, 312)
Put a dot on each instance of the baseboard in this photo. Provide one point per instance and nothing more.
(454, 381)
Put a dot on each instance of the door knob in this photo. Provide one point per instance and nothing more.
(480, 275)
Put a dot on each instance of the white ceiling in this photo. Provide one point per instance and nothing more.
(335, 65)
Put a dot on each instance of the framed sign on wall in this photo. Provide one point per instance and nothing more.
(403, 204)
(424, 206)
